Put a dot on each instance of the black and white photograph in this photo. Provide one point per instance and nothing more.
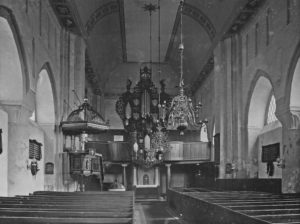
(149, 111)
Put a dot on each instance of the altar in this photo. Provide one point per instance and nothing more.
(146, 182)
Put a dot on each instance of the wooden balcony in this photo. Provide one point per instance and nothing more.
(180, 151)
(188, 151)
(112, 151)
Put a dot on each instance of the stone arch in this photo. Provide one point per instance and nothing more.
(292, 92)
(46, 97)
(290, 86)
(46, 117)
(260, 80)
(260, 90)
(196, 14)
(13, 50)
(104, 10)
(295, 90)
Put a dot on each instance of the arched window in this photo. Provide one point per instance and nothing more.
(271, 117)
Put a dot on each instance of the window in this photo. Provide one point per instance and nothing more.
(268, 26)
(256, 38)
(271, 117)
(35, 150)
(247, 49)
(33, 57)
(40, 17)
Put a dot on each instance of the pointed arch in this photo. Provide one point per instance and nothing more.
(259, 132)
(7, 14)
(293, 81)
(257, 105)
(261, 79)
(46, 96)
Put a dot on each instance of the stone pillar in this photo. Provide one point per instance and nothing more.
(134, 176)
(124, 179)
(221, 102)
(290, 120)
(19, 131)
(168, 175)
(157, 176)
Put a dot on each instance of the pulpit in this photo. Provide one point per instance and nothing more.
(84, 162)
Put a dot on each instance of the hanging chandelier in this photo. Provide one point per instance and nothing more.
(181, 112)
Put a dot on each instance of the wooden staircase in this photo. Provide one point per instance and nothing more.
(67, 207)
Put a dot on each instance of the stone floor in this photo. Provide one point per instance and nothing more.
(155, 212)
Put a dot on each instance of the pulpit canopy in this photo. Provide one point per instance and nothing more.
(84, 119)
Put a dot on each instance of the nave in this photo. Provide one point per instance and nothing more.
(183, 206)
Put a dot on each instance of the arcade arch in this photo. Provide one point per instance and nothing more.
(11, 79)
(295, 90)
(45, 116)
(13, 86)
(45, 109)
(263, 127)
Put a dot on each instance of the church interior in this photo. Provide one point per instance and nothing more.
(150, 111)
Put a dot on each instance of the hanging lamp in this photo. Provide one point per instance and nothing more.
(182, 113)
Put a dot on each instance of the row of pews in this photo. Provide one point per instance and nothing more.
(68, 207)
(237, 206)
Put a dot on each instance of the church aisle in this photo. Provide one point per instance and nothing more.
(155, 212)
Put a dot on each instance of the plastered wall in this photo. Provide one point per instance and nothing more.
(257, 51)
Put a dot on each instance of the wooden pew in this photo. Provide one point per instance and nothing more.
(66, 207)
(236, 206)
(55, 220)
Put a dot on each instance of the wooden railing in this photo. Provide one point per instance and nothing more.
(180, 151)
(188, 151)
(112, 151)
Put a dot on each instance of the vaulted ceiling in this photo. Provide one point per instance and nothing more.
(117, 34)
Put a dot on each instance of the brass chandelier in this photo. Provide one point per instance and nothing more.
(181, 112)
